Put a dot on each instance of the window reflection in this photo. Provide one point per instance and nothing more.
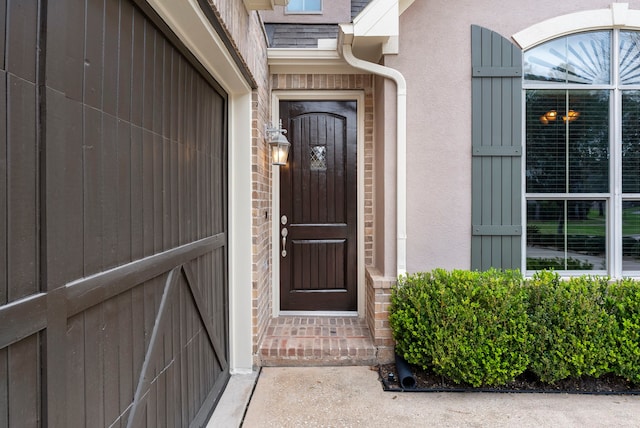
(566, 234)
(579, 58)
(631, 141)
(567, 147)
(631, 235)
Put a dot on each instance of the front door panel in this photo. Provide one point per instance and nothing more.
(318, 207)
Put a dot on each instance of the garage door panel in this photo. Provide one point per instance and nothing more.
(4, 388)
(137, 74)
(123, 190)
(125, 62)
(23, 382)
(3, 28)
(3, 186)
(22, 38)
(93, 53)
(75, 372)
(110, 210)
(21, 185)
(179, 359)
(64, 199)
(111, 56)
(92, 166)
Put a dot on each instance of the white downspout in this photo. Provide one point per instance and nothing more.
(401, 146)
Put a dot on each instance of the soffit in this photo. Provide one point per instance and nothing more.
(308, 61)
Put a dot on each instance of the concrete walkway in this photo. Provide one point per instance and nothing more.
(353, 397)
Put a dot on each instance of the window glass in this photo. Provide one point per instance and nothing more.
(304, 6)
(566, 234)
(568, 151)
(567, 145)
(318, 158)
(629, 57)
(631, 235)
(631, 141)
(580, 58)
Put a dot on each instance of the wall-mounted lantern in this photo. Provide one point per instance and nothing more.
(278, 143)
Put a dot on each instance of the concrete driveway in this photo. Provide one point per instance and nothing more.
(353, 397)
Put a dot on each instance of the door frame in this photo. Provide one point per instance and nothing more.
(358, 97)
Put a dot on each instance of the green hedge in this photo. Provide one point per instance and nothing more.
(468, 326)
(573, 335)
(486, 328)
(623, 301)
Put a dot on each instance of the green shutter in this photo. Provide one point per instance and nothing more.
(496, 204)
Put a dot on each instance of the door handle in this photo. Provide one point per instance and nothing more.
(284, 234)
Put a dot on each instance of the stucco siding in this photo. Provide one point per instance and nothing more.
(435, 58)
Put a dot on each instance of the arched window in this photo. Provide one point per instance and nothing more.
(582, 153)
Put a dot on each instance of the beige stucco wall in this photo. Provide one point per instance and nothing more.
(333, 12)
(435, 58)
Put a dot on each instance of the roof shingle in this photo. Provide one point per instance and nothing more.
(357, 6)
(299, 35)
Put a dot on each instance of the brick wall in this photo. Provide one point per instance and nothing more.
(378, 300)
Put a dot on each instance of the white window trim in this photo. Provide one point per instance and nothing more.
(614, 197)
(617, 16)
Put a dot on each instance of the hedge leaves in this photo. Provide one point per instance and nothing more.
(486, 328)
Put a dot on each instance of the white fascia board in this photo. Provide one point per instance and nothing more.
(188, 22)
(318, 61)
(379, 18)
(404, 5)
(617, 16)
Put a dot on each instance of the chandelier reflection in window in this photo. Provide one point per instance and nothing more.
(552, 116)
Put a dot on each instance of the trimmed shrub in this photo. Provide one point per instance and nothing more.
(412, 316)
(623, 301)
(572, 333)
(468, 326)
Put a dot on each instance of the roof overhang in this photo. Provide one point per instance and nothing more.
(373, 33)
(324, 60)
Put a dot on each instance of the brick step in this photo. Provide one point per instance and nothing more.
(317, 341)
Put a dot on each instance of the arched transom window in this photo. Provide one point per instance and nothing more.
(582, 174)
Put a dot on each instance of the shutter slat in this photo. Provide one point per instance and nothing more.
(496, 150)
(497, 72)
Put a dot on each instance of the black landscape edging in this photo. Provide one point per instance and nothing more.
(387, 388)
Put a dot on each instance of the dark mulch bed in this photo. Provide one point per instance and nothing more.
(430, 382)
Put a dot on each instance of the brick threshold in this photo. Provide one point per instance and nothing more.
(317, 341)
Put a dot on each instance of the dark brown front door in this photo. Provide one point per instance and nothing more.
(318, 207)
